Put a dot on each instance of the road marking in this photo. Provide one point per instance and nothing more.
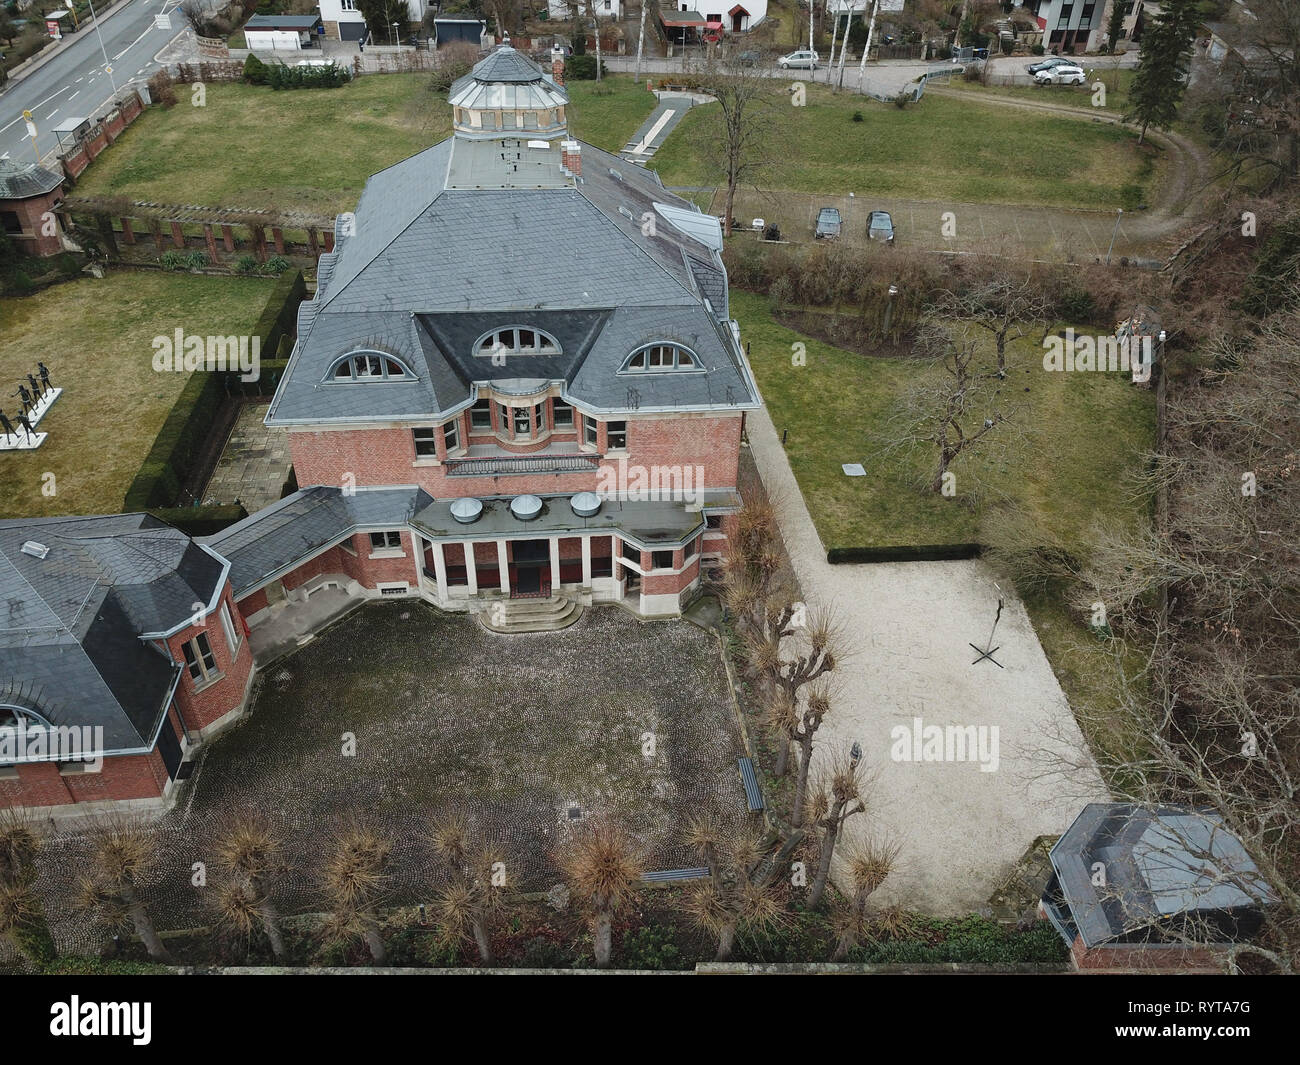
(133, 44)
(74, 96)
(36, 105)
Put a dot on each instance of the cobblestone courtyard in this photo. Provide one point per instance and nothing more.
(510, 731)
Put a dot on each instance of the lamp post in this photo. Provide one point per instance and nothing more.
(392, 35)
(108, 67)
(73, 11)
(889, 307)
(1119, 214)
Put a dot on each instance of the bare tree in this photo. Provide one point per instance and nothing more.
(737, 895)
(747, 126)
(837, 797)
(355, 876)
(952, 411)
(1003, 306)
(250, 855)
(474, 894)
(123, 853)
(22, 916)
(868, 864)
(603, 867)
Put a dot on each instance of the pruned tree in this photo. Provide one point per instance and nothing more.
(473, 896)
(602, 866)
(748, 122)
(867, 865)
(355, 876)
(951, 409)
(22, 915)
(737, 895)
(250, 860)
(122, 855)
(837, 797)
(1007, 308)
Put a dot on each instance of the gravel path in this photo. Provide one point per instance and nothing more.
(908, 628)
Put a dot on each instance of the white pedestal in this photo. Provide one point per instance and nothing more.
(20, 441)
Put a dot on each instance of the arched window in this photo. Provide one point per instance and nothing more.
(369, 366)
(516, 340)
(661, 358)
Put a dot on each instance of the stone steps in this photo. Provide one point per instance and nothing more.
(510, 616)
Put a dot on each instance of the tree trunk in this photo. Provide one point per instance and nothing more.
(602, 929)
(640, 39)
(782, 757)
(271, 922)
(144, 927)
(726, 941)
(824, 862)
(801, 783)
(484, 944)
(378, 951)
(731, 202)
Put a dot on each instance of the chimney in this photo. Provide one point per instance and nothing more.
(571, 157)
(557, 66)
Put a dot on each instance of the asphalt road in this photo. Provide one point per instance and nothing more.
(75, 84)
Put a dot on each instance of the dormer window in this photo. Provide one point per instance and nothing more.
(517, 340)
(661, 358)
(369, 366)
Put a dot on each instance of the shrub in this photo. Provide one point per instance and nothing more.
(1037, 49)
(454, 62)
(19, 282)
(1076, 305)
(255, 72)
(161, 89)
(543, 953)
(651, 947)
(772, 231)
(582, 68)
(246, 264)
(904, 97)
(175, 260)
(276, 265)
(857, 116)
(197, 260)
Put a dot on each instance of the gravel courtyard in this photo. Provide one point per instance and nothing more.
(512, 731)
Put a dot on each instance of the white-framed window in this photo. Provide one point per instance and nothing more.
(562, 414)
(590, 430)
(522, 421)
(199, 660)
(616, 436)
(516, 340)
(234, 634)
(539, 416)
(348, 5)
(425, 439)
(692, 549)
(451, 436)
(661, 560)
(389, 540)
(394, 588)
(661, 358)
(369, 366)
(480, 415)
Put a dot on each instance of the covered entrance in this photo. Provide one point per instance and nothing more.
(530, 569)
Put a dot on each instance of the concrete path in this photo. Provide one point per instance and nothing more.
(908, 629)
(654, 130)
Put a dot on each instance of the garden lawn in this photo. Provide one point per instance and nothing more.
(1084, 432)
(1117, 84)
(96, 338)
(942, 149)
(310, 149)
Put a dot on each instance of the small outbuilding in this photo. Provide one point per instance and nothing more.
(282, 33)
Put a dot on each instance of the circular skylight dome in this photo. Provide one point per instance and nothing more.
(466, 510)
(525, 508)
(585, 504)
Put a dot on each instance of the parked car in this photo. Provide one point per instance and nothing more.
(804, 59)
(1048, 63)
(880, 226)
(828, 224)
(1062, 75)
(749, 58)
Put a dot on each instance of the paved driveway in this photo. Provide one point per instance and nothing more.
(908, 627)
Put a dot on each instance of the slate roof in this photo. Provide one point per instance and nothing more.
(71, 626)
(282, 22)
(19, 181)
(430, 264)
(275, 539)
(1165, 868)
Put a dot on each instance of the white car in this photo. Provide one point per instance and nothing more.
(1061, 75)
(804, 59)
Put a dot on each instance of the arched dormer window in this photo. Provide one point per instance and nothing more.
(661, 358)
(370, 366)
(516, 340)
(20, 718)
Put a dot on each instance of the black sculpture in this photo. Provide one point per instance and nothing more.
(27, 426)
(37, 390)
(25, 396)
(44, 371)
(5, 425)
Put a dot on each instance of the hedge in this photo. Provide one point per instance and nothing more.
(189, 423)
(904, 553)
(201, 521)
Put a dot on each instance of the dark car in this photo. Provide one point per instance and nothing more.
(828, 224)
(880, 226)
(749, 59)
(1048, 63)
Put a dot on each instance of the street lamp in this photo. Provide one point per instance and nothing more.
(393, 35)
(889, 307)
(108, 67)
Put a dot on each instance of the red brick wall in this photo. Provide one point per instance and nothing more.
(201, 708)
(30, 211)
(253, 602)
(335, 560)
(1145, 958)
(370, 572)
(132, 776)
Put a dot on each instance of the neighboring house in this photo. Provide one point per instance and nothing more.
(517, 381)
(468, 30)
(29, 195)
(120, 638)
(567, 9)
(285, 33)
(1075, 26)
(1165, 888)
(344, 21)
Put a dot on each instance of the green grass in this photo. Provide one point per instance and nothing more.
(254, 148)
(96, 338)
(942, 149)
(1117, 84)
(1087, 430)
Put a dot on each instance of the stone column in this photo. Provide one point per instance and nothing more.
(505, 569)
(586, 561)
(470, 575)
(440, 570)
(555, 562)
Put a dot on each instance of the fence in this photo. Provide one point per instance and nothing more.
(99, 134)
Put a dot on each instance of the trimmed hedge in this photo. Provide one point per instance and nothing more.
(189, 423)
(904, 553)
(201, 521)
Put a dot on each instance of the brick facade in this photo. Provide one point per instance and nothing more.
(38, 228)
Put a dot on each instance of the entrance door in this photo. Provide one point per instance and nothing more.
(531, 569)
(631, 582)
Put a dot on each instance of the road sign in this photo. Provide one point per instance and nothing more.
(27, 115)
(31, 129)
(108, 70)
